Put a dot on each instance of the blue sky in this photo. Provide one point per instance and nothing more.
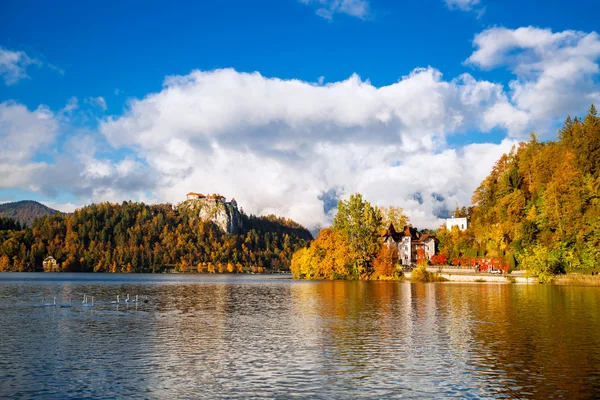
(274, 114)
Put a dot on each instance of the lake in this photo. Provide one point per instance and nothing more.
(252, 336)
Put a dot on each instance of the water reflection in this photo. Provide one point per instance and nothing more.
(214, 336)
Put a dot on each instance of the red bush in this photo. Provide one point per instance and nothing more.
(439, 259)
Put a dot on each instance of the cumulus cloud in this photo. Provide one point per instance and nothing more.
(555, 72)
(13, 65)
(28, 134)
(327, 8)
(23, 132)
(279, 145)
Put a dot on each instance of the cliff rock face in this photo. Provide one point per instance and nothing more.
(225, 215)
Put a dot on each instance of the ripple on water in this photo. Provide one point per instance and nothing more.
(260, 337)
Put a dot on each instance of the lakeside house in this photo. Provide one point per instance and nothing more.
(409, 242)
(50, 264)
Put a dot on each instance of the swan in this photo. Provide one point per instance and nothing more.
(84, 299)
(70, 304)
(86, 304)
(116, 302)
(44, 304)
(146, 299)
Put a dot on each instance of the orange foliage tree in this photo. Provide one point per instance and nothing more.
(385, 263)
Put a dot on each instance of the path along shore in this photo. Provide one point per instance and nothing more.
(471, 275)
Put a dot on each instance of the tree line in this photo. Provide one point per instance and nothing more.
(135, 237)
(539, 208)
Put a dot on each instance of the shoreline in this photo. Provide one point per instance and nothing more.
(571, 279)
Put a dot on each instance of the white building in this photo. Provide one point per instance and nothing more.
(462, 223)
(408, 242)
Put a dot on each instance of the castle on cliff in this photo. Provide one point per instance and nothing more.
(216, 197)
(215, 208)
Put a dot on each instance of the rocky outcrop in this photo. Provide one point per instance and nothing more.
(225, 215)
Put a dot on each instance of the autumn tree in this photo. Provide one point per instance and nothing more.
(384, 265)
(360, 222)
(328, 257)
(393, 215)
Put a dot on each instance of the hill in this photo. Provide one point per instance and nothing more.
(26, 211)
(135, 237)
(540, 205)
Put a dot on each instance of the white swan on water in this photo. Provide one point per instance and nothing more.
(70, 304)
(49, 304)
(86, 304)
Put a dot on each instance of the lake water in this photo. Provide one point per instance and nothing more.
(227, 336)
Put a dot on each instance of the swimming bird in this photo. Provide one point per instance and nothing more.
(86, 304)
(116, 302)
(146, 299)
(69, 304)
(84, 299)
(49, 304)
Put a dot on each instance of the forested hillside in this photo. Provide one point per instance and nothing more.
(540, 206)
(26, 211)
(134, 237)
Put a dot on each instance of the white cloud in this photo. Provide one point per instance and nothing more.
(70, 107)
(64, 207)
(97, 102)
(26, 135)
(278, 145)
(23, 132)
(464, 5)
(13, 65)
(328, 8)
(555, 73)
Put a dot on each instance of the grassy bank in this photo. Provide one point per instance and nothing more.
(578, 279)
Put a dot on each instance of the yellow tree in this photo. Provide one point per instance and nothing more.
(4, 263)
(393, 215)
(230, 268)
(360, 223)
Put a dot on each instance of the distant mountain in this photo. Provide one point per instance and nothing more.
(25, 211)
